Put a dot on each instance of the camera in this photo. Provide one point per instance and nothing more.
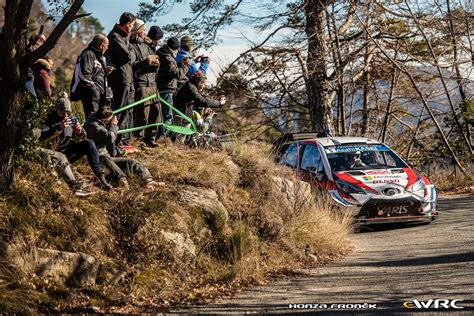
(73, 121)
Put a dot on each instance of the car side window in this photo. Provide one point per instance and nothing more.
(311, 159)
(290, 157)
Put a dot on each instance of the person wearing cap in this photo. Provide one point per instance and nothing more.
(35, 41)
(89, 82)
(155, 34)
(120, 58)
(62, 133)
(167, 79)
(185, 51)
(145, 69)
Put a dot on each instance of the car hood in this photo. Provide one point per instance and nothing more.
(377, 180)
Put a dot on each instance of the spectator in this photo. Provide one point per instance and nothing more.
(155, 34)
(190, 100)
(186, 51)
(89, 82)
(121, 58)
(168, 74)
(42, 81)
(102, 128)
(145, 70)
(62, 133)
(35, 41)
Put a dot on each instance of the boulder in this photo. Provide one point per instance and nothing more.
(64, 268)
(296, 193)
(207, 201)
(183, 247)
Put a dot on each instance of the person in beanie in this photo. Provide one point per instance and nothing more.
(101, 127)
(155, 34)
(61, 132)
(145, 69)
(120, 58)
(185, 51)
(168, 74)
(89, 82)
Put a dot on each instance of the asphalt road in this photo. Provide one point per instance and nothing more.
(389, 266)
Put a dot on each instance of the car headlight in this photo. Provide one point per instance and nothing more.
(349, 188)
(417, 186)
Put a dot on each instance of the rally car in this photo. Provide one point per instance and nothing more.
(363, 174)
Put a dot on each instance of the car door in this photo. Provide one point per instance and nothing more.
(311, 165)
(291, 156)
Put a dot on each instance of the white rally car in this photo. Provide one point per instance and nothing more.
(362, 174)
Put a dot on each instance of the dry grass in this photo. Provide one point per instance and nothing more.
(267, 233)
(449, 182)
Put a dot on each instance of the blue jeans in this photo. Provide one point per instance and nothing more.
(166, 112)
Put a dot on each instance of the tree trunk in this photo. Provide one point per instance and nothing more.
(14, 63)
(317, 83)
(12, 47)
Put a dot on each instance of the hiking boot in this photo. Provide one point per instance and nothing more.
(123, 183)
(151, 144)
(82, 192)
(150, 183)
(79, 191)
(105, 184)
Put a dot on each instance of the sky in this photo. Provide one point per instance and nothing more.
(109, 11)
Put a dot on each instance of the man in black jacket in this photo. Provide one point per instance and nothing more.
(145, 70)
(190, 100)
(168, 74)
(121, 59)
(89, 83)
(62, 133)
(101, 127)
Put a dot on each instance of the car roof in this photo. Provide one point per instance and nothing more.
(335, 141)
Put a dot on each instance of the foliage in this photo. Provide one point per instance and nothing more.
(124, 229)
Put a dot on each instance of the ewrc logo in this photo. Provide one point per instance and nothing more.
(436, 304)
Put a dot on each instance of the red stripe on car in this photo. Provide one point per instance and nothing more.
(411, 177)
(352, 180)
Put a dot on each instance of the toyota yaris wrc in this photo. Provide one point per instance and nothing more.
(362, 174)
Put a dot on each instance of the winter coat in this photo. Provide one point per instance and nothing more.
(189, 96)
(144, 75)
(52, 137)
(120, 56)
(193, 69)
(90, 71)
(101, 134)
(42, 82)
(169, 71)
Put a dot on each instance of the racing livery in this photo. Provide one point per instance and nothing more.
(364, 175)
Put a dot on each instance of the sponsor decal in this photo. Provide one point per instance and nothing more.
(349, 149)
(368, 178)
(387, 176)
(392, 210)
(386, 181)
(377, 172)
(382, 178)
(433, 304)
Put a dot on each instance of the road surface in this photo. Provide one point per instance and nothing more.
(390, 265)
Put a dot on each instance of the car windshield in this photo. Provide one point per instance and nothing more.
(362, 157)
